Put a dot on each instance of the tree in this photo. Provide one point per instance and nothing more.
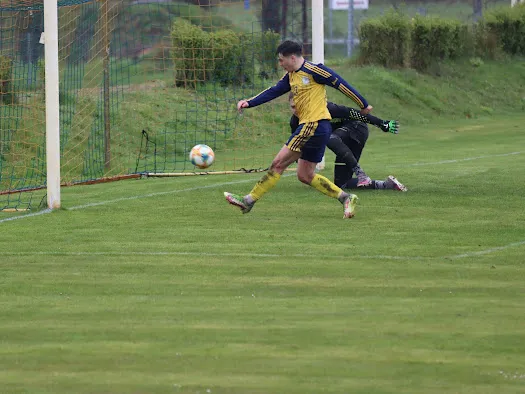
(271, 14)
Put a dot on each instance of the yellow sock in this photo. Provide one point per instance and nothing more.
(325, 186)
(264, 185)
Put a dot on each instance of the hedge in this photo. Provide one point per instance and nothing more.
(222, 56)
(436, 39)
(385, 41)
(396, 41)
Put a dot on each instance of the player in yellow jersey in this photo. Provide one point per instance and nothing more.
(307, 144)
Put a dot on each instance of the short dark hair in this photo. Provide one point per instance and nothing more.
(288, 48)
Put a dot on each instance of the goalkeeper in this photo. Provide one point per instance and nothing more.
(347, 141)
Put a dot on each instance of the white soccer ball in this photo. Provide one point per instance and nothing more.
(202, 156)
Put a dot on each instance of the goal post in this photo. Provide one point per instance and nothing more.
(318, 43)
(317, 31)
(52, 133)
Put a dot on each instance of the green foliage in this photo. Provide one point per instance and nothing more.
(476, 62)
(264, 49)
(7, 96)
(190, 53)
(436, 39)
(146, 26)
(220, 56)
(228, 57)
(507, 25)
(385, 41)
(485, 42)
(431, 40)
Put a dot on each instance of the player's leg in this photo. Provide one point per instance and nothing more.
(288, 154)
(390, 183)
(352, 184)
(342, 173)
(340, 143)
(312, 154)
(356, 140)
(280, 163)
(282, 160)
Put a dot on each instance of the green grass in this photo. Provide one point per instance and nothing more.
(164, 288)
(452, 91)
(158, 286)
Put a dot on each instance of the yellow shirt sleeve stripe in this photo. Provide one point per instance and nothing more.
(351, 94)
(317, 70)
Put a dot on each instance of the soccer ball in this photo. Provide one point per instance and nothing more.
(202, 156)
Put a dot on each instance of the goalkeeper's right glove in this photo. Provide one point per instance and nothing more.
(390, 126)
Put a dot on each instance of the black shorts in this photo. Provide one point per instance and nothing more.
(310, 139)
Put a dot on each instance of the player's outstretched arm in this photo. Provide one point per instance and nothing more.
(343, 112)
(280, 88)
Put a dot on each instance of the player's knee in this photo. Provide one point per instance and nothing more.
(305, 177)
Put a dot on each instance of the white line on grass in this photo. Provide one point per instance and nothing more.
(43, 212)
(95, 204)
(268, 255)
(458, 160)
(487, 251)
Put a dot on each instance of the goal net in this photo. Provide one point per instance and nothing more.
(140, 83)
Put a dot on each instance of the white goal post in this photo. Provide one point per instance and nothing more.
(50, 41)
(318, 42)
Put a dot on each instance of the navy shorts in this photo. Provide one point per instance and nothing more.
(310, 139)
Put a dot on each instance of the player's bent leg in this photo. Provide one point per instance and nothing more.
(347, 153)
(281, 161)
(305, 172)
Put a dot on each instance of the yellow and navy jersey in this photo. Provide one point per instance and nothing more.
(308, 86)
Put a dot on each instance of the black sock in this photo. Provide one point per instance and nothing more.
(379, 184)
(352, 184)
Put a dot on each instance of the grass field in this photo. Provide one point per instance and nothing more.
(158, 286)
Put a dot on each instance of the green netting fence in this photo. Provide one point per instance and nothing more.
(132, 100)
